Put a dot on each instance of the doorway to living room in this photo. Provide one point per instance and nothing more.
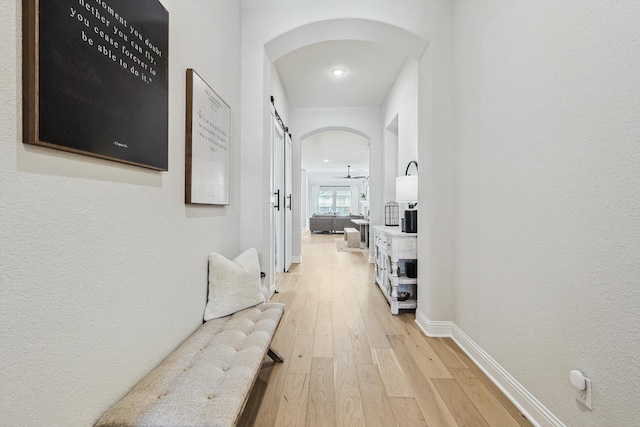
(336, 166)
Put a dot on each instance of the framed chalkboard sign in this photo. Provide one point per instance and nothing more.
(208, 124)
(95, 78)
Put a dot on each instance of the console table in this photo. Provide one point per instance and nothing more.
(364, 230)
(394, 252)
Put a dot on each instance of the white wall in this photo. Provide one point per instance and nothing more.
(401, 110)
(102, 266)
(402, 101)
(547, 197)
(435, 133)
(304, 201)
(390, 155)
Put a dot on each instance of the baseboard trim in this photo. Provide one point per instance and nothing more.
(433, 328)
(530, 407)
(296, 259)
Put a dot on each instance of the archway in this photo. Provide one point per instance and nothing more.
(333, 159)
(258, 83)
(346, 29)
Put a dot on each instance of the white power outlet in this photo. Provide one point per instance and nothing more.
(584, 396)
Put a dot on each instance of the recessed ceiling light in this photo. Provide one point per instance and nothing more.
(337, 72)
(326, 161)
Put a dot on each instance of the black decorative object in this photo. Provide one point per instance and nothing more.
(411, 268)
(410, 221)
(391, 214)
(403, 296)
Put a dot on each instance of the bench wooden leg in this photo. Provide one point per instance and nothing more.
(274, 355)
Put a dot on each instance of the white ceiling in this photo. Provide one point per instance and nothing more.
(370, 71)
(327, 155)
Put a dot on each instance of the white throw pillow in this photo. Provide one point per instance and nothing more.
(233, 285)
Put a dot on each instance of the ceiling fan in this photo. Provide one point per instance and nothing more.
(349, 175)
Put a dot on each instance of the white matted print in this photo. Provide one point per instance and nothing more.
(207, 144)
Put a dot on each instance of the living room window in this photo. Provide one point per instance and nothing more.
(334, 200)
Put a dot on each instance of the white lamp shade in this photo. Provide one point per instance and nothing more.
(407, 188)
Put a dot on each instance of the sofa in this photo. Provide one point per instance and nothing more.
(330, 223)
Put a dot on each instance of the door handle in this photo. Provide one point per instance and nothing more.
(277, 204)
(289, 204)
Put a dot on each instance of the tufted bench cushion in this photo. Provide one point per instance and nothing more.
(206, 381)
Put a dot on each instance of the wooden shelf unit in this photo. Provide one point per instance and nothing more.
(393, 250)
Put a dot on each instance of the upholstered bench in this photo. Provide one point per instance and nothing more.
(352, 236)
(206, 381)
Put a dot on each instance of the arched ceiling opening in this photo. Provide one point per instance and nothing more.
(391, 36)
(326, 155)
(370, 53)
(369, 71)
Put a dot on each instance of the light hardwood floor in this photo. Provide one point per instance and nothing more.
(350, 362)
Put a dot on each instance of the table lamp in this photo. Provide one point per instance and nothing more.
(407, 192)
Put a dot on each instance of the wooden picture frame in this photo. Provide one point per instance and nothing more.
(95, 79)
(208, 128)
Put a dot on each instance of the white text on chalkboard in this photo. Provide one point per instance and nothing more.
(116, 39)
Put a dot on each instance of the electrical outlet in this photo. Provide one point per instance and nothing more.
(584, 396)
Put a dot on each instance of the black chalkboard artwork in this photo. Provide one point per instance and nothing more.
(96, 78)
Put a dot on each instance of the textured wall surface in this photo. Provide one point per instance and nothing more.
(435, 150)
(547, 196)
(402, 102)
(102, 266)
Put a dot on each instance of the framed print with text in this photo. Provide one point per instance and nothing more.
(208, 124)
(95, 78)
